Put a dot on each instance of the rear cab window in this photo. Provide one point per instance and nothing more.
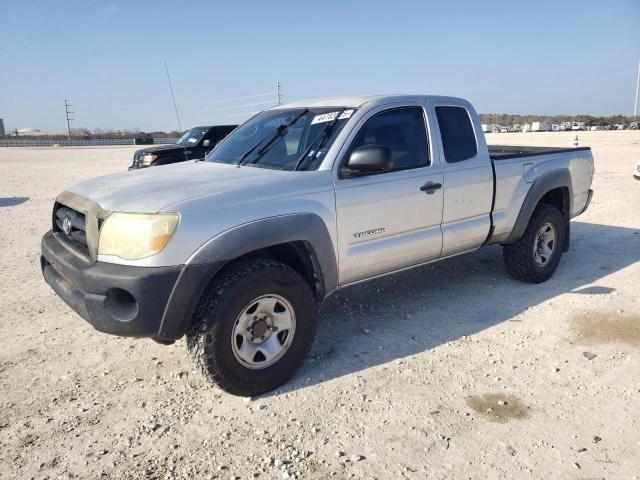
(458, 138)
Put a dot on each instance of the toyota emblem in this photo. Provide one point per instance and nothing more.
(66, 225)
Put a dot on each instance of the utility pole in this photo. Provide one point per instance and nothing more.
(67, 112)
(279, 93)
(175, 107)
(635, 108)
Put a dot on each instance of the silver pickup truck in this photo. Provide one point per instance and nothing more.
(236, 251)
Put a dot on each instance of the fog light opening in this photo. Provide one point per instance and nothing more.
(121, 304)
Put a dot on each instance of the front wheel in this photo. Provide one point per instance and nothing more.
(253, 326)
(536, 255)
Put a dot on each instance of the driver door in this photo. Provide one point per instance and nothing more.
(389, 221)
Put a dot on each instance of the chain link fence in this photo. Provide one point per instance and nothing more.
(44, 142)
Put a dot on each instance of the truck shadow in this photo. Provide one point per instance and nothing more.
(411, 312)
(12, 201)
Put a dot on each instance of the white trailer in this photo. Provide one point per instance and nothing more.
(540, 127)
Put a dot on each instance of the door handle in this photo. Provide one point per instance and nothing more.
(430, 187)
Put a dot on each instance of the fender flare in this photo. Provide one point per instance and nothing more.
(560, 178)
(231, 244)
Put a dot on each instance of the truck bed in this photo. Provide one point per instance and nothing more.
(503, 152)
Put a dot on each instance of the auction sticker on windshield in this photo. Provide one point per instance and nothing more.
(328, 117)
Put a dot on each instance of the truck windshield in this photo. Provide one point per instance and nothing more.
(286, 150)
(191, 137)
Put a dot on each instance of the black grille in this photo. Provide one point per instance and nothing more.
(137, 159)
(76, 233)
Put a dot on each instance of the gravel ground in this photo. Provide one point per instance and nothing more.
(448, 371)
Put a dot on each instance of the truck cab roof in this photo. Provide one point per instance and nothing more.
(360, 100)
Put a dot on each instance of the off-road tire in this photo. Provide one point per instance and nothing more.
(519, 256)
(209, 337)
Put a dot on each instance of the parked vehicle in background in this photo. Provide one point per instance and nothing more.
(578, 126)
(303, 199)
(540, 127)
(486, 128)
(634, 126)
(194, 144)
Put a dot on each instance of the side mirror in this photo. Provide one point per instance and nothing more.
(206, 143)
(368, 159)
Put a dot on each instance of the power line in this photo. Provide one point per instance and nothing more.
(184, 112)
(267, 94)
(635, 108)
(244, 113)
(153, 108)
(173, 96)
(67, 112)
(141, 114)
(235, 107)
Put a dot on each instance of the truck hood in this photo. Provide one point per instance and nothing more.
(160, 148)
(189, 183)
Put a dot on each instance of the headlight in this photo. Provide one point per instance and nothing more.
(136, 235)
(148, 159)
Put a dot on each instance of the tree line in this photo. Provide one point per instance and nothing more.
(589, 120)
(99, 133)
(488, 118)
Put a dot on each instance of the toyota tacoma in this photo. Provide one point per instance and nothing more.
(236, 251)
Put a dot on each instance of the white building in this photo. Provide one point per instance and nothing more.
(30, 132)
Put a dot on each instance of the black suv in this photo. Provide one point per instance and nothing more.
(194, 144)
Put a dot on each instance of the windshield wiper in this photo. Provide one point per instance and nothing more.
(270, 139)
(322, 137)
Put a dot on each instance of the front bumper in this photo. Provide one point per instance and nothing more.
(118, 299)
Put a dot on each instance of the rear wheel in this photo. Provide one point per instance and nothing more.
(535, 257)
(253, 326)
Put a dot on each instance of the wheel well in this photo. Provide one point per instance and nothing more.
(298, 255)
(559, 198)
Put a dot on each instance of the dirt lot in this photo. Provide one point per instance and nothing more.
(447, 371)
